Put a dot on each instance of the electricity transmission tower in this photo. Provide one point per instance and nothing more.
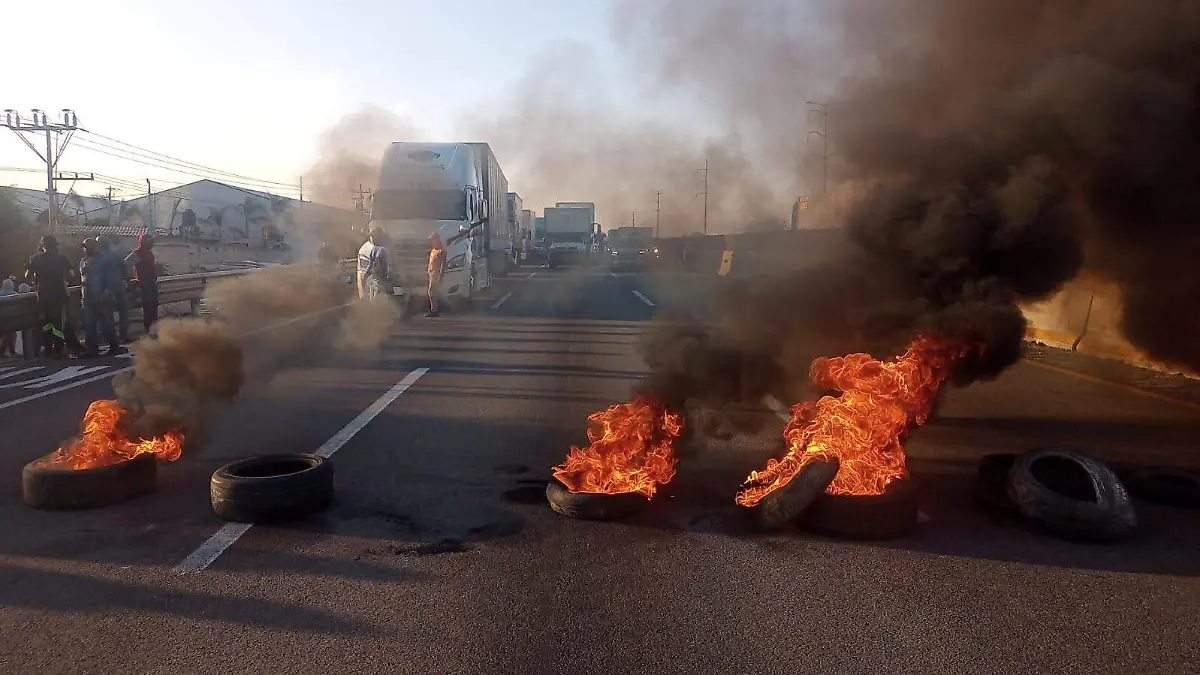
(54, 132)
(705, 195)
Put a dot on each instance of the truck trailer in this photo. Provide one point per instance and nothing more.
(456, 191)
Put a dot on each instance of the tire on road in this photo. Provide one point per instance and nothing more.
(891, 514)
(589, 506)
(1071, 495)
(272, 488)
(786, 504)
(991, 482)
(61, 489)
(1169, 487)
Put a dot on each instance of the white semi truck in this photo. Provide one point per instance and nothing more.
(456, 190)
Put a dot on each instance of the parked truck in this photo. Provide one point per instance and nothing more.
(568, 234)
(456, 190)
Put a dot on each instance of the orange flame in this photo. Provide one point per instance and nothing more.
(104, 441)
(862, 427)
(632, 450)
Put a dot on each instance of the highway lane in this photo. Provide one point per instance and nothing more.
(440, 556)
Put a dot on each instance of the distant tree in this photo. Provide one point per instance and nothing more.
(216, 217)
(254, 212)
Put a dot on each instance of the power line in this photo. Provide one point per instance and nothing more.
(165, 157)
(167, 167)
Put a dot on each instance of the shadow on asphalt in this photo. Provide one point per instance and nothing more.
(49, 590)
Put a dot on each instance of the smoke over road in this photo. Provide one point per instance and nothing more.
(1000, 147)
(265, 320)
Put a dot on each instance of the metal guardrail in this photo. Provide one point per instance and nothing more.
(19, 312)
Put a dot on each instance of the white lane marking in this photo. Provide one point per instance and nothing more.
(612, 274)
(648, 301)
(101, 376)
(782, 413)
(4, 374)
(68, 373)
(496, 304)
(72, 385)
(229, 533)
(531, 275)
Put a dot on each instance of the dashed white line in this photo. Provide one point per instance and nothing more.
(613, 275)
(228, 535)
(496, 304)
(531, 275)
(648, 301)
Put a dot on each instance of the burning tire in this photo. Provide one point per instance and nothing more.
(991, 483)
(891, 514)
(272, 488)
(56, 488)
(1169, 487)
(590, 506)
(786, 504)
(1071, 494)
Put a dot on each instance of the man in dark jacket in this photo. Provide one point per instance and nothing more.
(50, 273)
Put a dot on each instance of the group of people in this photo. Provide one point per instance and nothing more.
(375, 268)
(102, 275)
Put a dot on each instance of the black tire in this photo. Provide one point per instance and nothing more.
(991, 483)
(1071, 495)
(62, 489)
(272, 488)
(588, 506)
(886, 516)
(786, 504)
(1169, 487)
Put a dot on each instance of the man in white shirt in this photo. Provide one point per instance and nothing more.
(374, 268)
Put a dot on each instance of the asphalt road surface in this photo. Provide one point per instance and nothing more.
(441, 556)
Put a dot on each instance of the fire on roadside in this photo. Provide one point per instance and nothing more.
(632, 449)
(864, 426)
(105, 440)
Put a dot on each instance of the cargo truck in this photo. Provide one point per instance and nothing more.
(454, 190)
(514, 206)
(568, 235)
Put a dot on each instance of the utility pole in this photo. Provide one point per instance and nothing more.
(150, 207)
(39, 122)
(361, 201)
(633, 218)
(109, 196)
(822, 109)
(705, 195)
(657, 210)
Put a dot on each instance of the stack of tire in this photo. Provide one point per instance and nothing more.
(1071, 495)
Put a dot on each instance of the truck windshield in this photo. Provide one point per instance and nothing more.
(419, 205)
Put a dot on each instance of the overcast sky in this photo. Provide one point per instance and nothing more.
(246, 87)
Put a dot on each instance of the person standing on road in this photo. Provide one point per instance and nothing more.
(50, 273)
(8, 340)
(121, 299)
(436, 269)
(374, 268)
(98, 279)
(145, 270)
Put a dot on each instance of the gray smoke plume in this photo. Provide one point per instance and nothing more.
(999, 145)
(263, 321)
(348, 153)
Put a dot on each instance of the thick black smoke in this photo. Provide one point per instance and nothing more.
(1000, 146)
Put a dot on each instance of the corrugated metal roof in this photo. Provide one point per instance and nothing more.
(112, 230)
